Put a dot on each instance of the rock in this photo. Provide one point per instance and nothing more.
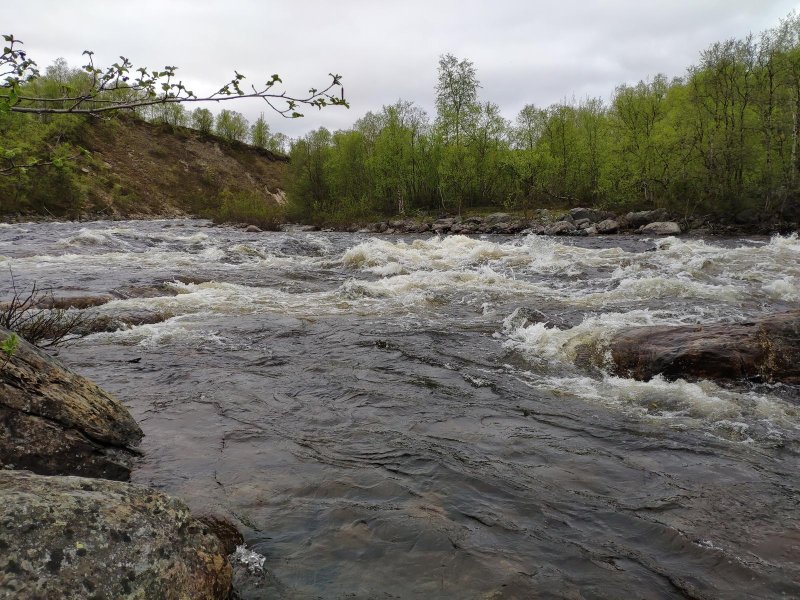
(607, 226)
(73, 537)
(534, 229)
(252, 229)
(79, 301)
(592, 214)
(495, 218)
(591, 230)
(636, 219)
(661, 228)
(766, 349)
(53, 421)
(560, 228)
(224, 530)
(567, 217)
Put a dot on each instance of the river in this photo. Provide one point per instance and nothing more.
(422, 417)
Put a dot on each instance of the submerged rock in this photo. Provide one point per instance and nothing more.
(766, 350)
(54, 421)
(73, 537)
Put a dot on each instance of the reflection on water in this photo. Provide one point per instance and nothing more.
(412, 417)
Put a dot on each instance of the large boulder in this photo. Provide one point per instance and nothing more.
(766, 349)
(73, 537)
(661, 228)
(54, 421)
(633, 220)
(607, 226)
(594, 215)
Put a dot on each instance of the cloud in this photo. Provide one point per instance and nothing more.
(525, 51)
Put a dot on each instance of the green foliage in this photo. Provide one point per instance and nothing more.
(232, 126)
(259, 132)
(9, 346)
(722, 140)
(245, 207)
(203, 120)
(123, 86)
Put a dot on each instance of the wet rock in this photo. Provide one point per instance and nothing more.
(634, 220)
(607, 226)
(73, 537)
(157, 290)
(52, 420)
(591, 230)
(252, 229)
(661, 228)
(560, 228)
(765, 350)
(78, 301)
(224, 530)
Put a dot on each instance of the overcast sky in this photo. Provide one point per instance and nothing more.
(525, 51)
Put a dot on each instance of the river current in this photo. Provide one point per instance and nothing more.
(425, 417)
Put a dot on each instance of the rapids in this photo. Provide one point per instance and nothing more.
(416, 417)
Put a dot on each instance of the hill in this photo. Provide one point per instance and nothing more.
(133, 168)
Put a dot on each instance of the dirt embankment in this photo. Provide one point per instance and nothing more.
(138, 169)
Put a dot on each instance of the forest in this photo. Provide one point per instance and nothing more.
(722, 140)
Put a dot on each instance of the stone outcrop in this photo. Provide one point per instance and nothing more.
(54, 421)
(765, 350)
(73, 537)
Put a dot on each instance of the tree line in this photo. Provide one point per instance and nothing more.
(721, 140)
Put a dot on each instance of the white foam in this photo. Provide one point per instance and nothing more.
(253, 561)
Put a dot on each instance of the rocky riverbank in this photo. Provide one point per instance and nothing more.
(578, 221)
(71, 525)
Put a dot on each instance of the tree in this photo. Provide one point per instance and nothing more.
(122, 86)
(203, 120)
(259, 132)
(456, 96)
(232, 126)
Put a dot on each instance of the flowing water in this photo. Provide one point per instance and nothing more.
(416, 417)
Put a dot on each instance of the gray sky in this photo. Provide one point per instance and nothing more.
(525, 51)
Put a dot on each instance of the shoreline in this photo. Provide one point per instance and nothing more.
(543, 222)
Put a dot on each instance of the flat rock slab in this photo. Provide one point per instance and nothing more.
(766, 350)
(54, 421)
(73, 537)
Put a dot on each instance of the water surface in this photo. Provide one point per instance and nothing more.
(423, 417)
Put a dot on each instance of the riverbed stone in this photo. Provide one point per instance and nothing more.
(607, 226)
(765, 349)
(76, 538)
(661, 228)
(560, 228)
(54, 421)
